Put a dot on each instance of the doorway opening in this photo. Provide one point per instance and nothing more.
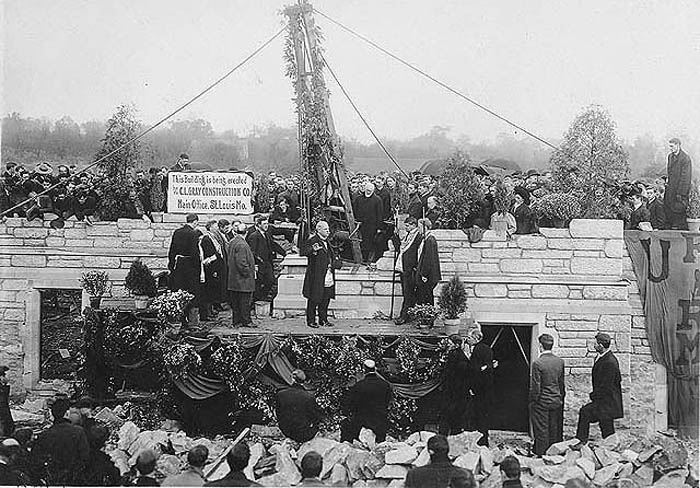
(60, 333)
(511, 345)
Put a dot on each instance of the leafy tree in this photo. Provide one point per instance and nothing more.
(589, 161)
(115, 185)
(460, 191)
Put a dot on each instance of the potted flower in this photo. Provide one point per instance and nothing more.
(170, 306)
(96, 284)
(424, 314)
(694, 207)
(453, 302)
(557, 208)
(141, 283)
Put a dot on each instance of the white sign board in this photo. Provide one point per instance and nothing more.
(210, 192)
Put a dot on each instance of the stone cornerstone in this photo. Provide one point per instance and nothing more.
(568, 282)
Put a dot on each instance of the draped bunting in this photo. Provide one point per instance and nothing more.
(668, 275)
(200, 387)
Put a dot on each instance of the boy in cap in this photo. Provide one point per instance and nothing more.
(606, 398)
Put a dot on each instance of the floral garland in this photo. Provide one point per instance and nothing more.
(127, 342)
(181, 359)
(171, 305)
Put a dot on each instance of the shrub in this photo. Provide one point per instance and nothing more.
(453, 298)
(558, 207)
(96, 283)
(140, 280)
(694, 201)
(460, 191)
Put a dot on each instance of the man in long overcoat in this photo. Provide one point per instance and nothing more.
(406, 264)
(428, 273)
(241, 277)
(546, 399)
(319, 278)
(367, 404)
(481, 371)
(369, 212)
(264, 249)
(298, 414)
(680, 174)
(184, 262)
(455, 388)
(606, 398)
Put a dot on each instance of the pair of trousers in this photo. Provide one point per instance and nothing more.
(408, 288)
(240, 308)
(589, 415)
(312, 307)
(424, 292)
(547, 426)
(481, 416)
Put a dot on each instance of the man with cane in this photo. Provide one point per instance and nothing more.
(406, 264)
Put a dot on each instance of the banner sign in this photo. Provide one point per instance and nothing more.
(210, 192)
(667, 267)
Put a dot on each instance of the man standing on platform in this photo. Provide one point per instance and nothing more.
(184, 262)
(546, 401)
(367, 405)
(428, 273)
(406, 264)
(264, 248)
(241, 277)
(298, 414)
(369, 212)
(680, 174)
(606, 398)
(319, 278)
(481, 366)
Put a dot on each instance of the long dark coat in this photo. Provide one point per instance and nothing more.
(298, 414)
(415, 207)
(370, 212)
(657, 214)
(183, 260)
(241, 266)
(223, 242)
(680, 173)
(481, 372)
(318, 263)
(429, 262)
(213, 271)
(525, 220)
(264, 249)
(607, 390)
(368, 403)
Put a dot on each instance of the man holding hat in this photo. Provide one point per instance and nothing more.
(680, 175)
(546, 400)
(367, 405)
(298, 414)
(606, 398)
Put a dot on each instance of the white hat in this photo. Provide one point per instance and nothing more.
(10, 442)
(369, 364)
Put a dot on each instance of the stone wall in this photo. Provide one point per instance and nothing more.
(568, 282)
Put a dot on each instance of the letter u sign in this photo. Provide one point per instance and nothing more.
(665, 245)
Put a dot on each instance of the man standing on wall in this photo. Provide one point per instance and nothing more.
(428, 273)
(606, 399)
(680, 174)
(241, 277)
(547, 397)
(319, 279)
(184, 262)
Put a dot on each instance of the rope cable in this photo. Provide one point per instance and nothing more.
(364, 120)
(151, 128)
(440, 83)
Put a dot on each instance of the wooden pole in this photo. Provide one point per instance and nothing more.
(215, 465)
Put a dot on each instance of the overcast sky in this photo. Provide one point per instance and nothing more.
(537, 62)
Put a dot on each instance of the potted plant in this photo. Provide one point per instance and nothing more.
(424, 314)
(141, 283)
(96, 284)
(557, 209)
(171, 305)
(453, 302)
(694, 207)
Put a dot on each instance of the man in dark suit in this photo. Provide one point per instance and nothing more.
(428, 273)
(680, 173)
(606, 398)
(525, 220)
(640, 212)
(237, 459)
(455, 387)
(406, 264)
(369, 213)
(264, 249)
(546, 400)
(241, 277)
(367, 405)
(184, 261)
(657, 211)
(298, 414)
(440, 473)
(481, 368)
(60, 453)
(319, 279)
(415, 206)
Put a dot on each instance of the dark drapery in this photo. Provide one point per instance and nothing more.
(667, 267)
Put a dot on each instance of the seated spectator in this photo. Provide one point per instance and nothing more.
(237, 459)
(100, 470)
(194, 474)
(146, 467)
(440, 473)
(311, 467)
(510, 472)
(525, 219)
